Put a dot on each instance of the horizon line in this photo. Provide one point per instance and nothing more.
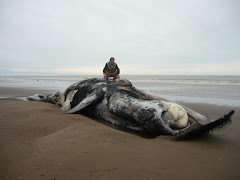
(59, 74)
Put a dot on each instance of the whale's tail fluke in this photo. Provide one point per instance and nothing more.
(197, 129)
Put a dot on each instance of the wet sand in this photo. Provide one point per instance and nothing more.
(39, 141)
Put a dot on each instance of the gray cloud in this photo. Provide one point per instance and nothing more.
(48, 35)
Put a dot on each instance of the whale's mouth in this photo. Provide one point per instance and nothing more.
(36, 97)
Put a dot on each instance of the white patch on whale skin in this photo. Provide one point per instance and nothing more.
(66, 105)
(61, 99)
(100, 83)
(104, 89)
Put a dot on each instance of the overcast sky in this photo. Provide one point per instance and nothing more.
(162, 37)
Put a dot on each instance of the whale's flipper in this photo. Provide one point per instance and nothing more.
(92, 98)
(197, 129)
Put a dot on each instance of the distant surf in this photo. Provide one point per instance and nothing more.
(220, 90)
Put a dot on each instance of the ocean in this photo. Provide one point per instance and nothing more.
(220, 90)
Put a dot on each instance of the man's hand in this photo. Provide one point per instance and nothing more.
(105, 76)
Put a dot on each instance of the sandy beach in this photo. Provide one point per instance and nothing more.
(39, 141)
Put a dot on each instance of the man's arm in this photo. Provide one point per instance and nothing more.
(117, 69)
(105, 68)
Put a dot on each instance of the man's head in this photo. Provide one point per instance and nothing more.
(112, 59)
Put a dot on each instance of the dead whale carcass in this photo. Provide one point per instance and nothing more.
(125, 107)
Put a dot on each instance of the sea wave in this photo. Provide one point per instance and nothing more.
(220, 90)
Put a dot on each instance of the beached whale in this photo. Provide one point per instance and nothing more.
(122, 106)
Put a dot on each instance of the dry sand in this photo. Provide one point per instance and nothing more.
(39, 141)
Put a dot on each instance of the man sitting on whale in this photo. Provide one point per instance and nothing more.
(111, 69)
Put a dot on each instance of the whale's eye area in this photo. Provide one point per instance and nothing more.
(40, 96)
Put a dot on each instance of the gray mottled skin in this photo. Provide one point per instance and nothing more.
(122, 106)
